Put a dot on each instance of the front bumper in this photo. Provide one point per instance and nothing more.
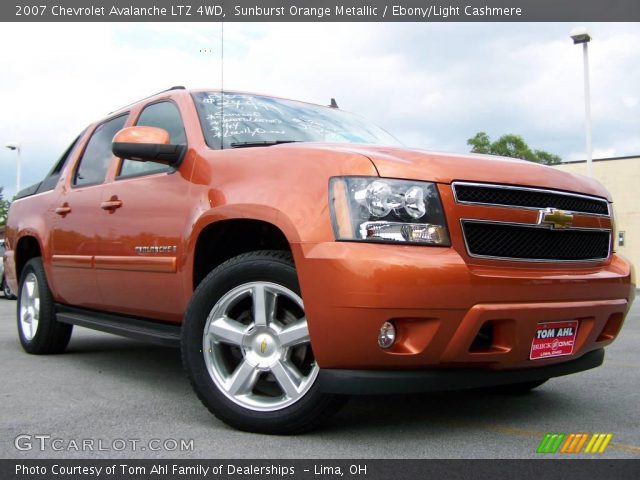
(439, 303)
(382, 382)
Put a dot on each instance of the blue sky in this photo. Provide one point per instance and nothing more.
(431, 85)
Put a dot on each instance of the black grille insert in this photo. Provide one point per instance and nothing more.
(521, 197)
(521, 242)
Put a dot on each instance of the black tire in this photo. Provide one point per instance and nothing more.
(50, 335)
(519, 388)
(274, 267)
(8, 294)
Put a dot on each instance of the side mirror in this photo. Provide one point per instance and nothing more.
(147, 144)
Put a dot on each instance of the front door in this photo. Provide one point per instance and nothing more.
(139, 270)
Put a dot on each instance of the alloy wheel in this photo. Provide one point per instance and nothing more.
(256, 347)
(30, 306)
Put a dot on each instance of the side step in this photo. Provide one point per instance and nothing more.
(132, 327)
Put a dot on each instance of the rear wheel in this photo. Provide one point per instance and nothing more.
(247, 351)
(39, 331)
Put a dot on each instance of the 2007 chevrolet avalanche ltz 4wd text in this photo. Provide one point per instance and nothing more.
(298, 254)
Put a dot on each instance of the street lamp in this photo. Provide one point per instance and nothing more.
(15, 146)
(581, 35)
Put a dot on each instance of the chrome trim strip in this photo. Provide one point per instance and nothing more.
(530, 189)
(532, 226)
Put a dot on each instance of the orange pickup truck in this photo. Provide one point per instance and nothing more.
(298, 254)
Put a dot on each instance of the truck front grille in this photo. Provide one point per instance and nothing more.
(505, 195)
(582, 233)
(524, 242)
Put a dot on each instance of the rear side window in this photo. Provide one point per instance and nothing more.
(96, 157)
(162, 115)
(63, 159)
(53, 176)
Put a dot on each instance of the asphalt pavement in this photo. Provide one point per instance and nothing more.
(110, 397)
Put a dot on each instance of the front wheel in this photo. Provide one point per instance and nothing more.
(247, 351)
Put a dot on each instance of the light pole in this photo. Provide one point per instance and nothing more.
(580, 35)
(15, 146)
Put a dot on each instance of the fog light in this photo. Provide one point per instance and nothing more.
(387, 335)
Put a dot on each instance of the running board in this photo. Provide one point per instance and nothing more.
(132, 327)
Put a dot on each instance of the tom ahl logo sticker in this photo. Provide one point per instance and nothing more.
(553, 339)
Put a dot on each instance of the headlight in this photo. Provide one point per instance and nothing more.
(374, 209)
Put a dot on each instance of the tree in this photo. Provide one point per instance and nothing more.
(4, 208)
(510, 145)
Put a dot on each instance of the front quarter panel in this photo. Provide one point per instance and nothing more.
(284, 185)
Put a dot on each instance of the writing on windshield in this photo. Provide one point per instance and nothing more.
(232, 119)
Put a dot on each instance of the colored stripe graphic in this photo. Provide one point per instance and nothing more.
(550, 443)
(581, 443)
(569, 443)
(591, 442)
(598, 443)
(543, 443)
(573, 443)
(557, 443)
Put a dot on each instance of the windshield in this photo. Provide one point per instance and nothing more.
(232, 120)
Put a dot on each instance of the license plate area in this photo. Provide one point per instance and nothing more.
(553, 339)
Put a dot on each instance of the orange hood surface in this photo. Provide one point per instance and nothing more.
(396, 162)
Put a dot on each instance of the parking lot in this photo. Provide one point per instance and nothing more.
(107, 388)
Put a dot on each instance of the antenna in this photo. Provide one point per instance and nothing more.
(222, 77)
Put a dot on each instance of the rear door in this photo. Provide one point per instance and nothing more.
(75, 239)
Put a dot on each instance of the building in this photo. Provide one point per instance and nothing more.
(621, 176)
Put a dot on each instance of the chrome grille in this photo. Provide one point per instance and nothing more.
(524, 242)
(508, 196)
(537, 242)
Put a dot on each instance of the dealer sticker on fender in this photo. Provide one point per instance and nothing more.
(553, 339)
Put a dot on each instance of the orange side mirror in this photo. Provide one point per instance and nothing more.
(147, 144)
(142, 135)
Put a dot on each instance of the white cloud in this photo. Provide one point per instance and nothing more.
(431, 85)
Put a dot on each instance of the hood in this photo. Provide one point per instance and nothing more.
(416, 164)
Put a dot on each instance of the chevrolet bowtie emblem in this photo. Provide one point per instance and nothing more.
(263, 346)
(557, 219)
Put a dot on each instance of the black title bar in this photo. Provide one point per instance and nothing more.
(320, 10)
(165, 469)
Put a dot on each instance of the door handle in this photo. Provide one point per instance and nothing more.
(63, 209)
(111, 205)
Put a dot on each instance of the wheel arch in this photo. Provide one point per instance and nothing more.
(218, 238)
(27, 247)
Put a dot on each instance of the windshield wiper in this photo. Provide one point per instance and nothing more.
(263, 143)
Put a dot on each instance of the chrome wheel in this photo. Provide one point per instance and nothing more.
(256, 347)
(29, 306)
